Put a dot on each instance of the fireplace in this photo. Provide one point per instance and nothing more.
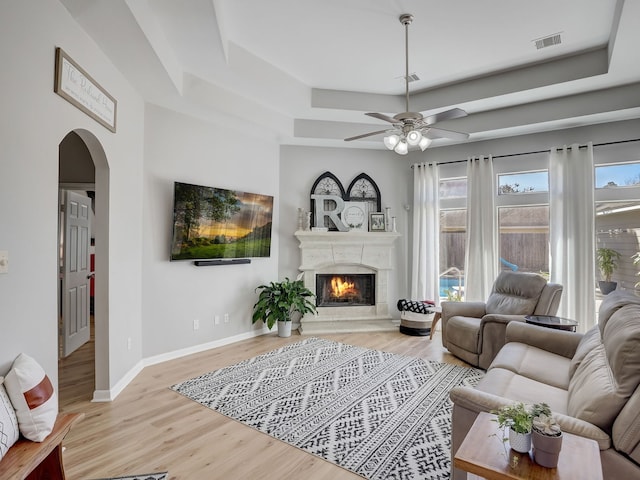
(359, 263)
(343, 290)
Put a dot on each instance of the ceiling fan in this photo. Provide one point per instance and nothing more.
(412, 128)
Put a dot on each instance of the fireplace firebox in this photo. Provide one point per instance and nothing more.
(345, 290)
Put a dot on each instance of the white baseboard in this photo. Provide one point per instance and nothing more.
(111, 394)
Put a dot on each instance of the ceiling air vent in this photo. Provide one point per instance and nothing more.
(411, 78)
(548, 41)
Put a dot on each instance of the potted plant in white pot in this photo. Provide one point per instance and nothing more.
(517, 418)
(279, 300)
(546, 436)
(607, 260)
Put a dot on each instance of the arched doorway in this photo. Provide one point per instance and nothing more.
(83, 167)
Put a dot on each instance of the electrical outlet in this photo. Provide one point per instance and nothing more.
(129, 343)
(216, 320)
(226, 318)
(196, 324)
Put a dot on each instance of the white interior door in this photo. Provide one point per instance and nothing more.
(76, 272)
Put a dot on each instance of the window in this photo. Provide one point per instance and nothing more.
(619, 175)
(524, 182)
(524, 238)
(453, 240)
(453, 188)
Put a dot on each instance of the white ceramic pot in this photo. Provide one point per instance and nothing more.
(520, 442)
(284, 329)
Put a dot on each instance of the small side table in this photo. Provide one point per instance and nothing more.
(436, 319)
(483, 453)
(550, 321)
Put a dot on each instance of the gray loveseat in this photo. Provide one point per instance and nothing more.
(590, 382)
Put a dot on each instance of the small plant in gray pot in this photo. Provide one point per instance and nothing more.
(546, 436)
(517, 418)
(279, 300)
(607, 260)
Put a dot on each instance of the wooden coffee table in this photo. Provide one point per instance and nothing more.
(483, 453)
(550, 321)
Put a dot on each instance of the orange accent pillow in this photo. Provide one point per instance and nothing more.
(33, 398)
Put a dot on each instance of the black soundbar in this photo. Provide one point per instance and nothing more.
(232, 261)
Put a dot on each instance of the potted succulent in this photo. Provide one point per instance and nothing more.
(546, 436)
(279, 300)
(517, 418)
(607, 259)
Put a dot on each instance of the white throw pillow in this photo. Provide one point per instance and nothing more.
(33, 398)
(9, 432)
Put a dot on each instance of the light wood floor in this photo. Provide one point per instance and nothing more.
(149, 428)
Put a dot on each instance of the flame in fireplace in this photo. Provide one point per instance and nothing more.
(340, 288)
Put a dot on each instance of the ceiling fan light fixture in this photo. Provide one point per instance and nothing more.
(424, 143)
(402, 148)
(414, 137)
(390, 141)
(409, 127)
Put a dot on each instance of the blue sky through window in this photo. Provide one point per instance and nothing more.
(524, 182)
(620, 175)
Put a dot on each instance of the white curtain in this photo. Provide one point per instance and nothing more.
(426, 234)
(572, 231)
(481, 256)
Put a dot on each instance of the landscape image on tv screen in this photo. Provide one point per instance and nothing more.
(211, 223)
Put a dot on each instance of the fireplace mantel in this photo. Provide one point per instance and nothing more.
(348, 252)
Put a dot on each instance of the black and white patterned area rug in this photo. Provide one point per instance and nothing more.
(377, 414)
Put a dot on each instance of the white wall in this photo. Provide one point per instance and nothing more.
(185, 149)
(35, 120)
(299, 169)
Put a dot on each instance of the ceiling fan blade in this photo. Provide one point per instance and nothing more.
(384, 117)
(433, 132)
(365, 135)
(446, 115)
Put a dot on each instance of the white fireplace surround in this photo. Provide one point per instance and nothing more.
(344, 253)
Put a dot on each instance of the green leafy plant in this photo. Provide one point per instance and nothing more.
(516, 416)
(454, 295)
(607, 259)
(278, 300)
(542, 420)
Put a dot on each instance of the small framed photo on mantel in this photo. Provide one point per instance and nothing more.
(376, 222)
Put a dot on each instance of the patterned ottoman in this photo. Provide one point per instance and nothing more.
(416, 317)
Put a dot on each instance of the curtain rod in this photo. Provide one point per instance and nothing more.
(540, 151)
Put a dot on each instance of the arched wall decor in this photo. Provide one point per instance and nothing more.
(362, 189)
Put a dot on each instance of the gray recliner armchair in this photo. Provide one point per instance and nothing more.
(475, 331)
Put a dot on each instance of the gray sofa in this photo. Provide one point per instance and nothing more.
(475, 331)
(589, 380)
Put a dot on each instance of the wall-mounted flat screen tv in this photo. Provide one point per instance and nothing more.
(212, 223)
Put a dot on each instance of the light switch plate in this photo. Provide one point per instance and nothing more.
(4, 261)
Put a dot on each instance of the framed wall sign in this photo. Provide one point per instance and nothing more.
(355, 216)
(78, 88)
